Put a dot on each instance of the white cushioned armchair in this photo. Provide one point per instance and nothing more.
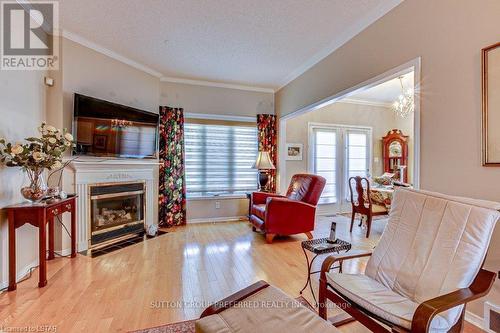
(426, 267)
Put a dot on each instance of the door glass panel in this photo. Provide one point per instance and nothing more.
(357, 149)
(325, 137)
(328, 175)
(357, 139)
(357, 164)
(338, 154)
(357, 156)
(325, 162)
(325, 151)
(356, 152)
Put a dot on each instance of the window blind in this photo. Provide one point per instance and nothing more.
(219, 159)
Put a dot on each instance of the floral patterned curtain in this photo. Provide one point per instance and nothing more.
(172, 190)
(268, 141)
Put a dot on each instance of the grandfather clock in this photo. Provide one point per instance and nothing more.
(395, 154)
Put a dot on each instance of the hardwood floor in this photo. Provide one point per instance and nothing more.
(166, 279)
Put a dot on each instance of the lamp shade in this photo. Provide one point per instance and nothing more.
(263, 161)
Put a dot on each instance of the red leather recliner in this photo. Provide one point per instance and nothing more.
(294, 213)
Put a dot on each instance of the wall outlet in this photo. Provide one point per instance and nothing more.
(217, 205)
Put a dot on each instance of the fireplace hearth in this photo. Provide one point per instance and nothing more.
(116, 212)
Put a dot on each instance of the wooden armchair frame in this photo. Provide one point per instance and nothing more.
(234, 299)
(425, 312)
(363, 205)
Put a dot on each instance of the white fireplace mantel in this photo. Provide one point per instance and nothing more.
(99, 171)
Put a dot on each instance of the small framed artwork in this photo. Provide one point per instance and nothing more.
(100, 141)
(294, 151)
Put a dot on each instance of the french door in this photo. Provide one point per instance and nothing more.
(338, 152)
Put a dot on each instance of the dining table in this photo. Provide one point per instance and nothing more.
(382, 194)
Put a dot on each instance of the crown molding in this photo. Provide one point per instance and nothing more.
(340, 40)
(114, 55)
(101, 49)
(216, 84)
(364, 102)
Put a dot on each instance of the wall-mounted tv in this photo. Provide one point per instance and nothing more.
(108, 129)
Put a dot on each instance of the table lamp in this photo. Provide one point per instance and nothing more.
(263, 164)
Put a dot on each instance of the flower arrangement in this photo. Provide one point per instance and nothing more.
(36, 155)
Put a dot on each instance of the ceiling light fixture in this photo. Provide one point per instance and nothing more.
(404, 105)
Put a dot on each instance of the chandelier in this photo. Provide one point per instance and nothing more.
(404, 105)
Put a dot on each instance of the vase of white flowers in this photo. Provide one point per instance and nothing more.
(34, 187)
(35, 156)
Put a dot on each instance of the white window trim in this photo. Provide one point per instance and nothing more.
(311, 126)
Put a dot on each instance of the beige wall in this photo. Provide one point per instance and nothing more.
(448, 36)
(218, 101)
(203, 210)
(21, 111)
(91, 73)
(406, 126)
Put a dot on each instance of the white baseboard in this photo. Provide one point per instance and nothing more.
(218, 219)
(64, 252)
(26, 269)
(474, 319)
(488, 308)
(20, 273)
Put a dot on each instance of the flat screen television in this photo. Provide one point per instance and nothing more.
(108, 129)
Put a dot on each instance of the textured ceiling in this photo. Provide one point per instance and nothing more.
(253, 42)
(386, 92)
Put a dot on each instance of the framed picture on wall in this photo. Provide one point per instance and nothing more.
(491, 105)
(294, 151)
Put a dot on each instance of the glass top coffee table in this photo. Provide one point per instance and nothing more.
(318, 247)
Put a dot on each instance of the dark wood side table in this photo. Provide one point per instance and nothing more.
(38, 214)
(321, 246)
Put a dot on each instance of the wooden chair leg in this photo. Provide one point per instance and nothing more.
(269, 238)
(322, 300)
(458, 327)
(368, 225)
(309, 235)
(352, 220)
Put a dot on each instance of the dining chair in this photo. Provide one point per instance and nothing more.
(362, 203)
